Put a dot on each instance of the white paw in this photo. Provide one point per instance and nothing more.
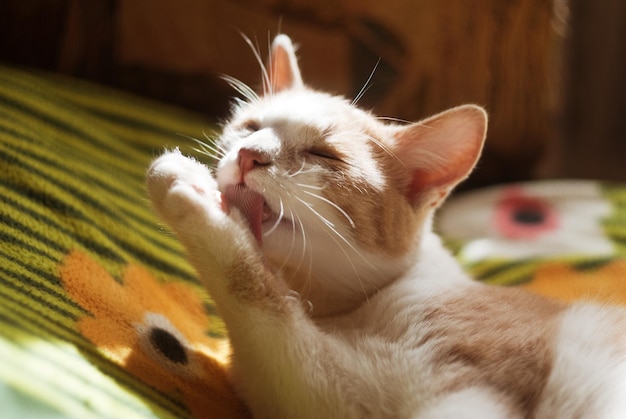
(179, 186)
(185, 196)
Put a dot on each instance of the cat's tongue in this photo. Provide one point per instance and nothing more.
(252, 206)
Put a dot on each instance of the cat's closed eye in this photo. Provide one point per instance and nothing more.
(324, 153)
(250, 126)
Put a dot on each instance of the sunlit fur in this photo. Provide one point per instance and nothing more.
(348, 306)
(335, 217)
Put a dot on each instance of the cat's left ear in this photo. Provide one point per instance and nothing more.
(283, 69)
(440, 152)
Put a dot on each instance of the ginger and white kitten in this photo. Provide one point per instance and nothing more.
(314, 238)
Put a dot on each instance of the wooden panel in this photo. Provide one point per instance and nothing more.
(594, 142)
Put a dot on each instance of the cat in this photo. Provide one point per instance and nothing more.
(313, 236)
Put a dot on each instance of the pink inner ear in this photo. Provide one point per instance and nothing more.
(456, 168)
(430, 188)
(438, 182)
(441, 151)
(423, 181)
(281, 76)
(283, 70)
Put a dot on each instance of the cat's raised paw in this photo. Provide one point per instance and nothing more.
(178, 184)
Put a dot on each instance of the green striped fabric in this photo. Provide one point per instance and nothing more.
(92, 290)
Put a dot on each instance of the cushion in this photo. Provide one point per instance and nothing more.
(565, 239)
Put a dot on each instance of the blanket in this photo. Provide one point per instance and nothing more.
(101, 316)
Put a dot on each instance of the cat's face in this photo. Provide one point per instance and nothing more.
(320, 162)
(335, 197)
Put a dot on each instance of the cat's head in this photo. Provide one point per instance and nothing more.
(336, 197)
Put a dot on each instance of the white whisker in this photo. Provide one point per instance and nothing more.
(215, 143)
(306, 172)
(332, 228)
(324, 220)
(242, 88)
(297, 218)
(238, 102)
(270, 66)
(299, 171)
(293, 239)
(335, 238)
(267, 84)
(309, 276)
(204, 148)
(215, 150)
(296, 223)
(204, 152)
(366, 86)
(384, 147)
(304, 185)
(305, 242)
(210, 150)
(331, 203)
(278, 219)
(302, 170)
(388, 118)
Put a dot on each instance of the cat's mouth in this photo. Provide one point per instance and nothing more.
(252, 206)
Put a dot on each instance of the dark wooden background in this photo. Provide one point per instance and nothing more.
(554, 81)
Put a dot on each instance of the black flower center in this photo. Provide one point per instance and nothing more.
(168, 345)
(527, 215)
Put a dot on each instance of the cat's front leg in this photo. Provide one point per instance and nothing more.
(218, 242)
(277, 365)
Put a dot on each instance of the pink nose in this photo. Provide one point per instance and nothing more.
(249, 159)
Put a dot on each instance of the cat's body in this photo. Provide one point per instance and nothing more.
(340, 302)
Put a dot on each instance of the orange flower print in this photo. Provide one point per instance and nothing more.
(606, 284)
(156, 331)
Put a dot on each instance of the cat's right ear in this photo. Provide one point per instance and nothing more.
(283, 70)
(439, 152)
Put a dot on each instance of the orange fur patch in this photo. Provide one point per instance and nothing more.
(500, 336)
